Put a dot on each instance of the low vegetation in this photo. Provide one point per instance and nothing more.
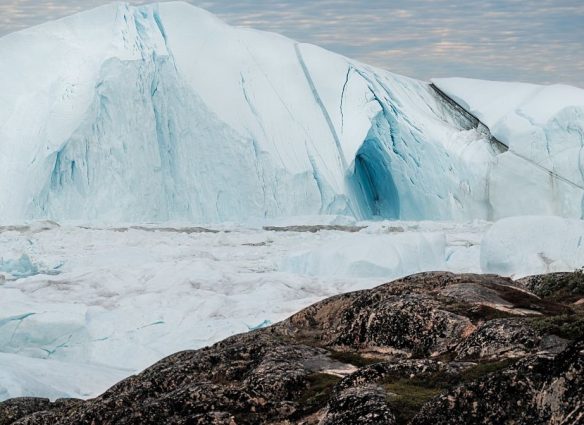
(406, 397)
(317, 393)
(569, 326)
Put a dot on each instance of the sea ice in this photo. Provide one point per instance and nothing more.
(126, 297)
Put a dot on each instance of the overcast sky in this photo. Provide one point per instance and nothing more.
(539, 41)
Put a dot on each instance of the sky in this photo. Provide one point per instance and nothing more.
(540, 41)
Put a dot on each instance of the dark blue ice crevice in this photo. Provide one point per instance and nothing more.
(383, 153)
(375, 190)
(58, 175)
(257, 151)
(166, 132)
(317, 180)
(379, 197)
(15, 319)
(50, 351)
(68, 170)
(165, 123)
(388, 180)
(344, 89)
(160, 25)
(19, 318)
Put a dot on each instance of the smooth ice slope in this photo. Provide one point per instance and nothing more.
(165, 113)
(543, 126)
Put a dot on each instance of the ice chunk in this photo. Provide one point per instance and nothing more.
(27, 377)
(366, 256)
(19, 268)
(261, 325)
(521, 246)
(23, 266)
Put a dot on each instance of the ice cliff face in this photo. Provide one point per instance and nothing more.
(163, 112)
(543, 129)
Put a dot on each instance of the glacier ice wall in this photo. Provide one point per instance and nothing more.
(165, 113)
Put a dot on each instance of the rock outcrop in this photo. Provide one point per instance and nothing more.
(433, 348)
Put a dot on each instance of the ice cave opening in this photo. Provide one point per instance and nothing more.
(376, 192)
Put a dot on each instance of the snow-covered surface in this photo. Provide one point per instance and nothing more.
(494, 101)
(126, 297)
(151, 113)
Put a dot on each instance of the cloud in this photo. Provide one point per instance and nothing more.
(540, 41)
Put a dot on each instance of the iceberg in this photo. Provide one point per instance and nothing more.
(388, 257)
(23, 267)
(151, 113)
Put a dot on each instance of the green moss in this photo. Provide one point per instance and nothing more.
(318, 391)
(569, 326)
(406, 398)
(353, 358)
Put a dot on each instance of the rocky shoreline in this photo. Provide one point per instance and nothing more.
(432, 348)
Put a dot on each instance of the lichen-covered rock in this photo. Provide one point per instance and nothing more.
(422, 315)
(365, 405)
(539, 389)
(562, 287)
(410, 369)
(17, 408)
(24, 407)
(499, 338)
